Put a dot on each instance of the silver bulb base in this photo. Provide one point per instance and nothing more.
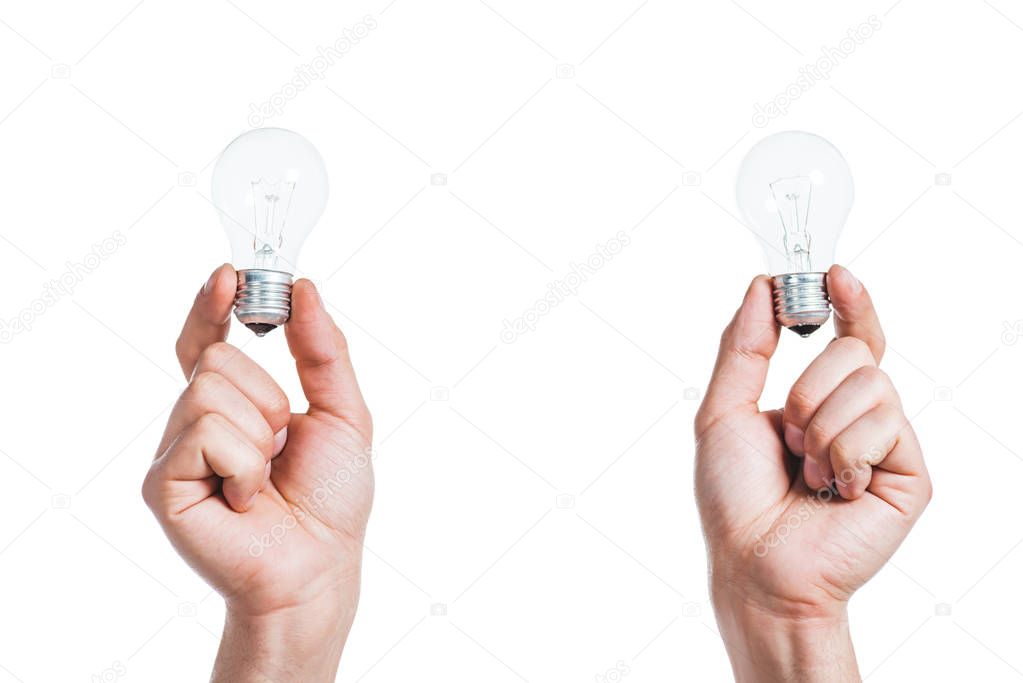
(263, 299)
(801, 301)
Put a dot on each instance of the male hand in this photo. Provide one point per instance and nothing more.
(268, 506)
(786, 551)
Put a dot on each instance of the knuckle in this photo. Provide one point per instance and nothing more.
(205, 384)
(251, 459)
(340, 340)
(209, 422)
(217, 355)
(817, 437)
(891, 413)
(873, 374)
(842, 453)
(727, 334)
(279, 406)
(918, 498)
(872, 379)
(800, 404)
(148, 493)
(853, 346)
(264, 440)
(848, 461)
(180, 347)
(701, 421)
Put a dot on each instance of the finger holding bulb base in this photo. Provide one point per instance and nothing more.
(795, 191)
(270, 188)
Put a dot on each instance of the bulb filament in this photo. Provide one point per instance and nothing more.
(271, 201)
(792, 199)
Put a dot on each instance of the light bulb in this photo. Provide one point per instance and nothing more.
(795, 191)
(270, 189)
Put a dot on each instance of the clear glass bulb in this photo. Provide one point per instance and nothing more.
(795, 191)
(270, 189)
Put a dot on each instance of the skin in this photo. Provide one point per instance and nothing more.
(785, 552)
(269, 506)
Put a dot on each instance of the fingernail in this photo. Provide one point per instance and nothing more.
(794, 439)
(209, 282)
(280, 440)
(812, 472)
(854, 285)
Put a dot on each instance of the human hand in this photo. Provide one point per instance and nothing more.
(268, 506)
(785, 551)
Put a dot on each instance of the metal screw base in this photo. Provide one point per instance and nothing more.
(263, 299)
(801, 301)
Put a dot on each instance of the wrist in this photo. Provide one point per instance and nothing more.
(765, 646)
(295, 643)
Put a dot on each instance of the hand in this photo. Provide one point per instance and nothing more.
(786, 552)
(268, 506)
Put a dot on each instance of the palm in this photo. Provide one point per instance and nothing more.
(798, 546)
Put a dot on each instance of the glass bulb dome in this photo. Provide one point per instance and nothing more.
(270, 187)
(795, 192)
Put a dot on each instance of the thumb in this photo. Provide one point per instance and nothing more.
(321, 356)
(209, 319)
(746, 348)
(854, 311)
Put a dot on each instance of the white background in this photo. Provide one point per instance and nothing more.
(110, 117)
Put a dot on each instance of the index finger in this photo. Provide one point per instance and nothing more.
(854, 311)
(746, 348)
(209, 319)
